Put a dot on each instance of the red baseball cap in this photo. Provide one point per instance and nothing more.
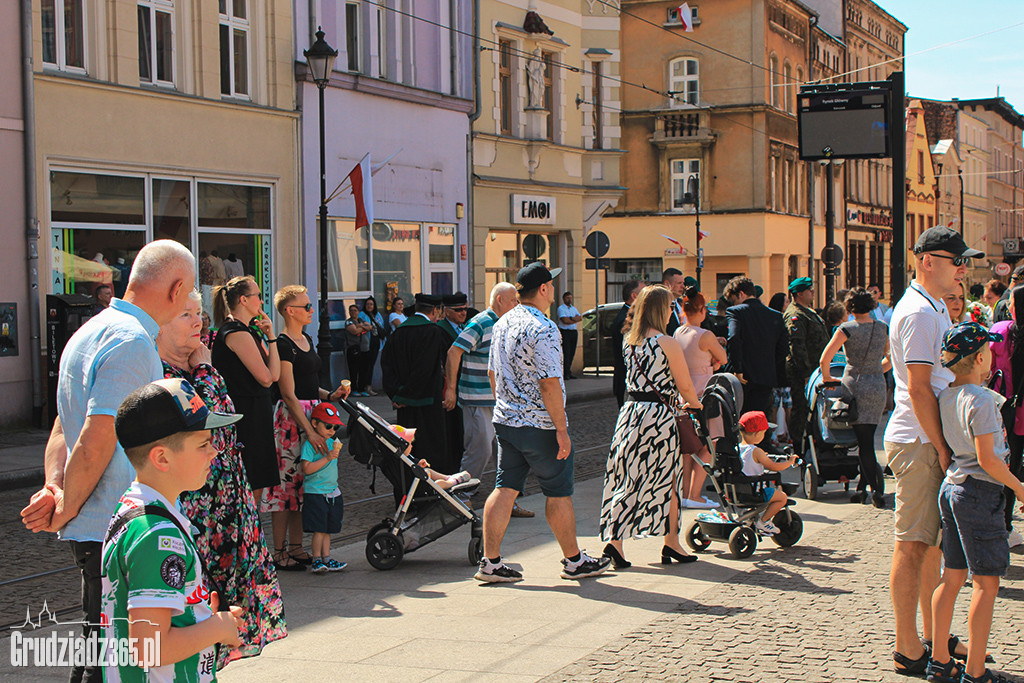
(326, 413)
(755, 421)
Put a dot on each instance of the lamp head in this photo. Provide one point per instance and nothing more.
(320, 59)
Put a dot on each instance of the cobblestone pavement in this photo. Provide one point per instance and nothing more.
(24, 553)
(808, 614)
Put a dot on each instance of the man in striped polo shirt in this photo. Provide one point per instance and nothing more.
(472, 348)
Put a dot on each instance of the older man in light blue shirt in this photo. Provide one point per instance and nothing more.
(110, 356)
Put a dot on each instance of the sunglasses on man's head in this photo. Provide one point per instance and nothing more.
(957, 260)
(306, 307)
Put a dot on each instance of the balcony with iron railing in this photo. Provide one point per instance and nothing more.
(681, 126)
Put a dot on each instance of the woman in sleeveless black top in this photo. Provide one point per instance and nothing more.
(247, 360)
(299, 389)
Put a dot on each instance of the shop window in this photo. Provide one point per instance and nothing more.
(394, 252)
(682, 171)
(349, 261)
(684, 81)
(234, 48)
(441, 258)
(224, 255)
(156, 42)
(97, 199)
(233, 206)
(171, 218)
(85, 258)
(63, 24)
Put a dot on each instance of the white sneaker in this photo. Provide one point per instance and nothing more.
(702, 504)
(766, 528)
(1015, 539)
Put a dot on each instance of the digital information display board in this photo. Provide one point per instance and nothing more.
(844, 124)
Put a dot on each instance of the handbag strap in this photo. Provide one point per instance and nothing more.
(647, 379)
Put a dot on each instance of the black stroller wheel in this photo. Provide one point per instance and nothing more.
(382, 526)
(476, 550)
(385, 551)
(810, 480)
(742, 542)
(696, 539)
(791, 528)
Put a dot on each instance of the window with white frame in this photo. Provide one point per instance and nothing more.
(681, 172)
(352, 34)
(549, 60)
(234, 48)
(63, 24)
(787, 87)
(156, 42)
(684, 81)
(505, 89)
(597, 102)
(773, 80)
(380, 58)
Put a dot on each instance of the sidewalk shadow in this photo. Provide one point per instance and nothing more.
(814, 558)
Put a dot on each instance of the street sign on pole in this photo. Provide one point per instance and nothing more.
(597, 263)
(700, 257)
(1003, 269)
(597, 243)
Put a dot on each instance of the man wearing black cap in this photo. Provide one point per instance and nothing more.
(808, 337)
(1002, 309)
(412, 366)
(454, 314)
(525, 371)
(915, 448)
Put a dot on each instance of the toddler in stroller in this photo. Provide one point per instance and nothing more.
(445, 481)
(745, 503)
(753, 426)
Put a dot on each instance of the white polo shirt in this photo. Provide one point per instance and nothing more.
(915, 338)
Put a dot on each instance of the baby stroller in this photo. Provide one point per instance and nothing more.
(426, 512)
(722, 399)
(828, 442)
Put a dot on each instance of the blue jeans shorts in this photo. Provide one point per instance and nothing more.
(767, 492)
(974, 532)
(322, 514)
(525, 449)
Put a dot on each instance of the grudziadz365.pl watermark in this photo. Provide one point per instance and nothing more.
(66, 649)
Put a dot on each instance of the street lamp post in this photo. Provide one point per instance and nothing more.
(320, 59)
(692, 196)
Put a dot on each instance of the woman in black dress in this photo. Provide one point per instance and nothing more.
(299, 387)
(245, 354)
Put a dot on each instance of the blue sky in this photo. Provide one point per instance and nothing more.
(971, 69)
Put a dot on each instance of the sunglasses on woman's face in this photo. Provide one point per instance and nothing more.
(305, 307)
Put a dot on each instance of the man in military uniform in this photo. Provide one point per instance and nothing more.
(412, 366)
(453, 322)
(808, 337)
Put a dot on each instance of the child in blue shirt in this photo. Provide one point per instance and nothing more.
(322, 505)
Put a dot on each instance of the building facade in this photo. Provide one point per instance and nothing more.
(400, 91)
(16, 347)
(546, 144)
(921, 183)
(724, 124)
(146, 113)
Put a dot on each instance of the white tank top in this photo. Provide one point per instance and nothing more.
(751, 468)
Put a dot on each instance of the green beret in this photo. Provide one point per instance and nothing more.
(689, 281)
(758, 291)
(800, 284)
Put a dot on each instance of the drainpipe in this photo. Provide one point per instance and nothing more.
(474, 114)
(31, 219)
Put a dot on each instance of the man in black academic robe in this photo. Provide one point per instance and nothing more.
(452, 323)
(413, 377)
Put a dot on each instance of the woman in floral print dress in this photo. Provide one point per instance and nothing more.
(231, 539)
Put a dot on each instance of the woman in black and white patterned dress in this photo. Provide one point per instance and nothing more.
(644, 472)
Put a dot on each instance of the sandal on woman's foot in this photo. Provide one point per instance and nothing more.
(987, 677)
(283, 562)
(303, 561)
(948, 672)
(911, 667)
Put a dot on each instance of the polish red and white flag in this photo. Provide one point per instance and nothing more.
(686, 17)
(362, 190)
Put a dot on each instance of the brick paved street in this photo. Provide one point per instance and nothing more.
(817, 612)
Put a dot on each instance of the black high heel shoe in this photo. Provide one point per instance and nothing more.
(667, 555)
(618, 561)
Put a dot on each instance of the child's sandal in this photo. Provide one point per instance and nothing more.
(911, 667)
(949, 672)
(954, 642)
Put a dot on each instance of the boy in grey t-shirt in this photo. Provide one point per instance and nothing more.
(971, 501)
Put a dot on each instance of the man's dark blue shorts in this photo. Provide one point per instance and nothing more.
(974, 532)
(321, 514)
(525, 449)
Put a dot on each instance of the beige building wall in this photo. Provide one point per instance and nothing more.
(573, 171)
(922, 195)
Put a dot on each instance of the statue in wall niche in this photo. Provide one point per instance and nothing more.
(535, 80)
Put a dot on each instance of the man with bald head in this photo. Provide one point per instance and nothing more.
(109, 357)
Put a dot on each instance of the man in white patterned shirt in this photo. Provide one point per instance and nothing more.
(525, 371)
